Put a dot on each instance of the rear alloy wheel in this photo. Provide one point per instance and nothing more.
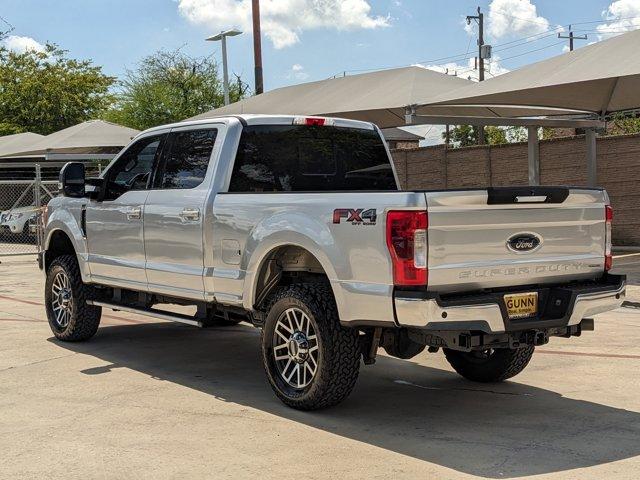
(490, 365)
(295, 348)
(311, 361)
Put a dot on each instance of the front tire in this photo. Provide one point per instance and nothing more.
(311, 361)
(65, 296)
(491, 365)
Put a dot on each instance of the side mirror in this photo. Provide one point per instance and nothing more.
(72, 181)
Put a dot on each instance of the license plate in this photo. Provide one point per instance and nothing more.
(521, 305)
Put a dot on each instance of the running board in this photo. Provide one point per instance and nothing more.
(149, 312)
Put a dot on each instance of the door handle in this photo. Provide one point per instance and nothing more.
(134, 213)
(191, 214)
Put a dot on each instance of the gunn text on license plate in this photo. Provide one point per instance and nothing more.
(521, 305)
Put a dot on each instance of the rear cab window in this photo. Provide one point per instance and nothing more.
(304, 158)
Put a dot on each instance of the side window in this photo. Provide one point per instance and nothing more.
(133, 169)
(186, 162)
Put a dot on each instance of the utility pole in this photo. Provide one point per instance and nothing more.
(481, 56)
(571, 37)
(257, 45)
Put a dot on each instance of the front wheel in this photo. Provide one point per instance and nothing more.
(490, 365)
(311, 361)
(65, 295)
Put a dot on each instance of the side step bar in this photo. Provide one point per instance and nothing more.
(149, 312)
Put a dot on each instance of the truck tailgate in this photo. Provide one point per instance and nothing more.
(504, 237)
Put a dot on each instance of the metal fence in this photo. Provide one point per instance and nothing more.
(24, 192)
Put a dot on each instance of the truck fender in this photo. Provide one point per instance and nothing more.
(294, 230)
(63, 221)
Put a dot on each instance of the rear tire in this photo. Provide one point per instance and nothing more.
(65, 296)
(311, 361)
(493, 365)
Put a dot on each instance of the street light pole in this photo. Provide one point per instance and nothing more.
(222, 36)
(225, 72)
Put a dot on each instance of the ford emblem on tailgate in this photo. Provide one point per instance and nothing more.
(524, 242)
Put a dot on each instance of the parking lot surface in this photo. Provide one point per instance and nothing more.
(147, 399)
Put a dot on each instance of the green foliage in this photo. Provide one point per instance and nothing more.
(623, 125)
(466, 135)
(169, 87)
(495, 135)
(44, 92)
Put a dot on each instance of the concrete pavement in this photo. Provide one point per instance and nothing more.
(157, 400)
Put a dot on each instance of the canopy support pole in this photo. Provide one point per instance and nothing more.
(592, 170)
(534, 155)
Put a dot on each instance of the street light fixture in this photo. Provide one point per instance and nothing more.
(223, 37)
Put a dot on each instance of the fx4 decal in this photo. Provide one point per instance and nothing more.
(355, 216)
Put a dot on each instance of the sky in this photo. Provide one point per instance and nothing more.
(306, 40)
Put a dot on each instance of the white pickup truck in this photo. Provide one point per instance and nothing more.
(298, 226)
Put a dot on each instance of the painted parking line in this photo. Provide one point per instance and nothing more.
(625, 255)
(586, 354)
(40, 304)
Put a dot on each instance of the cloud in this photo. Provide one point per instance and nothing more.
(622, 16)
(515, 18)
(283, 21)
(22, 44)
(297, 72)
(468, 72)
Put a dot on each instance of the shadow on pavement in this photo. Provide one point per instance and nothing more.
(497, 431)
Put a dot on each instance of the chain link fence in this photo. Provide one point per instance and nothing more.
(24, 192)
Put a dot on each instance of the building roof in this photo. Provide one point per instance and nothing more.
(399, 135)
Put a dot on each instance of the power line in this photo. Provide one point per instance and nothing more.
(538, 22)
(519, 42)
(532, 51)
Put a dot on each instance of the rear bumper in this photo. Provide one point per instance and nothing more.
(560, 306)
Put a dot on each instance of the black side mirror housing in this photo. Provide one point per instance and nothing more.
(72, 180)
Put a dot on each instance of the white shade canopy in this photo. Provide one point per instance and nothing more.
(600, 78)
(19, 141)
(380, 97)
(86, 137)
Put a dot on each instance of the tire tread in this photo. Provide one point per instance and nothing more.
(85, 319)
(343, 350)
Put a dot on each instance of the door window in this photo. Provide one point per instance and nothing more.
(186, 162)
(132, 170)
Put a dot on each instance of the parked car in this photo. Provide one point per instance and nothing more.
(298, 226)
(17, 221)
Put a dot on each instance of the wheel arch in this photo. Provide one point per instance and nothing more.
(286, 259)
(58, 242)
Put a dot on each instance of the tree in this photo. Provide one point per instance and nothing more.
(466, 135)
(45, 91)
(169, 87)
(622, 124)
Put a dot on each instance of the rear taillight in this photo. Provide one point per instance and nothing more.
(608, 217)
(407, 243)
